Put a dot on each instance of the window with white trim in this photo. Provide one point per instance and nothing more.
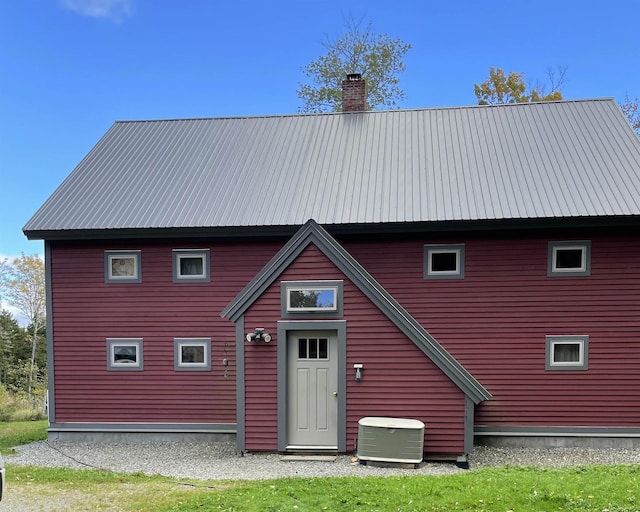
(444, 261)
(192, 354)
(124, 354)
(312, 298)
(567, 352)
(571, 258)
(191, 265)
(122, 267)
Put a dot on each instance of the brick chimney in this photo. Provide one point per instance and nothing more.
(354, 93)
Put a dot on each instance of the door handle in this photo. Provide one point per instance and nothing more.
(335, 393)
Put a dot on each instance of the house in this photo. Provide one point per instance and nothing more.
(275, 279)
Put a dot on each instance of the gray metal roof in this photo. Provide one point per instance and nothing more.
(523, 161)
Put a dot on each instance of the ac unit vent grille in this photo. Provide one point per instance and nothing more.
(390, 440)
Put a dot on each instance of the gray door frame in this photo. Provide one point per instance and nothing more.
(340, 328)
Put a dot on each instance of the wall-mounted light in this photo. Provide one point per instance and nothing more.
(359, 368)
(259, 335)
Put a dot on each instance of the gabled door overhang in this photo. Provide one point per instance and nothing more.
(312, 233)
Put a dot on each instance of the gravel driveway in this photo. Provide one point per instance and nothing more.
(218, 461)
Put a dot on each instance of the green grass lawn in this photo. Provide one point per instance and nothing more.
(593, 488)
(585, 488)
(21, 432)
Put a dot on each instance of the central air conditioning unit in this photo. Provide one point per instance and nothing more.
(390, 440)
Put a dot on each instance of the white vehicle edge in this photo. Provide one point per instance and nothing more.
(1, 477)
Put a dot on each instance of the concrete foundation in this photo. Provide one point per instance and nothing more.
(558, 442)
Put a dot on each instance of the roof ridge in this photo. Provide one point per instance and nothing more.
(368, 112)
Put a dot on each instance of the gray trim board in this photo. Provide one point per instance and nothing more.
(469, 420)
(313, 233)
(240, 387)
(340, 327)
(49, 312)
(534, 431)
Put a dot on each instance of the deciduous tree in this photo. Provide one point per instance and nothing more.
(24, 288)
(629, 108)
(377, 57)
(511, 88)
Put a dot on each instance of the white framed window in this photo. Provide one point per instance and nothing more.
(122, 267)
(572, 258)
(444, 261)
(191, 265)
(192, 353)
(124, 354)
(314, 298)
(567, 352)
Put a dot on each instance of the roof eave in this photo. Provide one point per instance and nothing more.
(278, 231)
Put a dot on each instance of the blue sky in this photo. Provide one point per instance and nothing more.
(70, 68)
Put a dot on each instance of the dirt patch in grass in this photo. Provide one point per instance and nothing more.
(30, 497)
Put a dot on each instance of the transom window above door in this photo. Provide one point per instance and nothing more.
(313, 348)
(312, 298)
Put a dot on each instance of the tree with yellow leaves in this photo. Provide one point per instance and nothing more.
(22, 285)
(511, 88)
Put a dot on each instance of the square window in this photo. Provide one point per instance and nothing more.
(567, 352)
(313, 298)
(124, 354)
(192, 353)
(444, 261)
(122, 267)
(569, 258)
(191, 265)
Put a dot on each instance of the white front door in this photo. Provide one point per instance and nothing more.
(312, 390)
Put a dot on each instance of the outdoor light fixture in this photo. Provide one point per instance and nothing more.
(259, 335)
(358, 371)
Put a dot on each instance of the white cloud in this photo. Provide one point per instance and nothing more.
(116, 10)
(22, 320)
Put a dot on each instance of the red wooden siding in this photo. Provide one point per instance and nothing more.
(494, 322)
(86, 311)
(399, 380)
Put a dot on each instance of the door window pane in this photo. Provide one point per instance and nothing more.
(313, 348)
